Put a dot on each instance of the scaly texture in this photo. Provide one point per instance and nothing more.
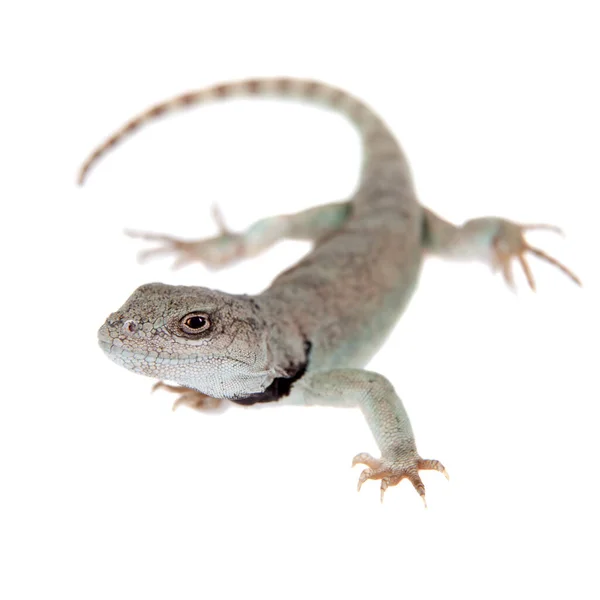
(306, 339)
(280, 87)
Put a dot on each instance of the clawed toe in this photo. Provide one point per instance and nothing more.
(433, 465)
(391, 473)
(213, 253)
(183, 251)
(510, 243)
(366, 474)
(366, 459)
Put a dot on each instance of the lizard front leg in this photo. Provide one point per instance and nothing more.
(228, 247)
(192, 398)
(385, 415)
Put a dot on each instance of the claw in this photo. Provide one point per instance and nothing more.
(417, 483)
(510, 244)
(527, 271)
(366, 459)
(433, 465)
(546, 226)
(391, 472)
(385, 482)
(366, 474)
(540, 254)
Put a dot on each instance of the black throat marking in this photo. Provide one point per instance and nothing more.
(280, 386)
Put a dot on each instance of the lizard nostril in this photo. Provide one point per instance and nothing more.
(129, 327)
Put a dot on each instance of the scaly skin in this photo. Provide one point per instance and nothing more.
(306, 338)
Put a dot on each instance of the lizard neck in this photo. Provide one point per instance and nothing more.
(280, 386)
(288, 350)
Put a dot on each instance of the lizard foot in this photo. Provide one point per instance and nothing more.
(509, 242)
(391, 472)
(213, 253)
(191, 398)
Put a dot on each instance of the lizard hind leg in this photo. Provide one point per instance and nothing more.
(228, 247)
(495, 241)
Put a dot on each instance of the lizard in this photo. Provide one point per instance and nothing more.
(307, 338)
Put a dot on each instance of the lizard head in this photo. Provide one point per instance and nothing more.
(204, 339)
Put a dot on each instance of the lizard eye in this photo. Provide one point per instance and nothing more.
(195, 323)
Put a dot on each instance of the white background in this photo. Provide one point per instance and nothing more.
(105, 493)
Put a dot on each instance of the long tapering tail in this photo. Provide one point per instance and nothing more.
(374, 132)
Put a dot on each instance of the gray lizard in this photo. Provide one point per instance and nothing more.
(306, 339)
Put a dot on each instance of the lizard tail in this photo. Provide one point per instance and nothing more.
(374, 132)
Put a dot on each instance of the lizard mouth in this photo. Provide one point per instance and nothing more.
(115, 351)
(105, 345)
(103, 335)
